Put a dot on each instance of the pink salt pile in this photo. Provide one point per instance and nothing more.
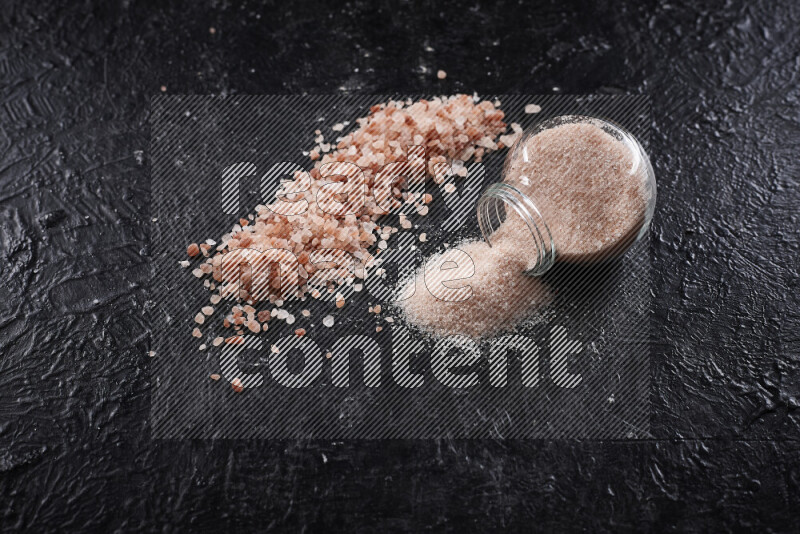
(587, 185)
(339, 203)
(501, 294)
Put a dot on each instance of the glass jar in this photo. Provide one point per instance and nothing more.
(575, 189)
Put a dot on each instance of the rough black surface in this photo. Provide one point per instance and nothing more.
(75, 449)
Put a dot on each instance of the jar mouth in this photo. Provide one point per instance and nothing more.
(489, 220)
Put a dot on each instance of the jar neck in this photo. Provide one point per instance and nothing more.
(496, 201)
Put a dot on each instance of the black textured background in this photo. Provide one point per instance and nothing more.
(75, 450)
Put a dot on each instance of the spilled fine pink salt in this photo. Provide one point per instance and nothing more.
(501, 294)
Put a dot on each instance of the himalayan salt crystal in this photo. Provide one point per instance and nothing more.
(215, 377)
(254, 326)
(441, 75)
(207, 310)
(196, 333)
(300, 332)
(217, 341)
(328, 321)
(237, 386)
(199, 318)
(459, 127)
(532, 108)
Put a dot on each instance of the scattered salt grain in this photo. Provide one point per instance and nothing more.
(327, 321)
(532, 108)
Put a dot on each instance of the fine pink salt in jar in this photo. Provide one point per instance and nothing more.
(575, 189)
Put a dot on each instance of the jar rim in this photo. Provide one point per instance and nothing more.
(526, 208)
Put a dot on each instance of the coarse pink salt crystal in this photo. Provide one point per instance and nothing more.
(441, 75)
(459, 127)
